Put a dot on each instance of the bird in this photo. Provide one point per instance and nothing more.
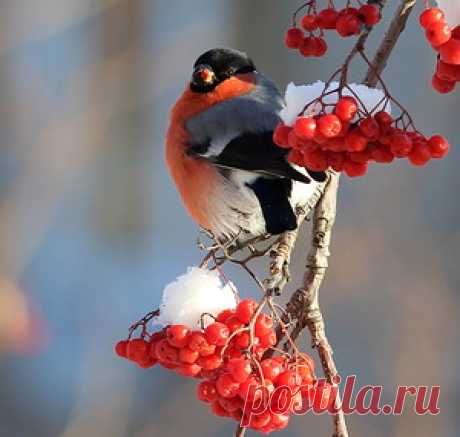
(235, 182)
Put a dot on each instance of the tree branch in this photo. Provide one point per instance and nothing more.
(397, 26)
(304, 303)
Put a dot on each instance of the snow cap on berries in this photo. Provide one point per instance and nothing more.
(451, 10)
(297, 96)
(192, 294)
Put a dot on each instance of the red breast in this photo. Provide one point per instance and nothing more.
(196, 180)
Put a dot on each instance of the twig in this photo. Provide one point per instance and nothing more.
(397, 26)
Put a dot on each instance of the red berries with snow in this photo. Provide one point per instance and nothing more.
(446, 42)
(237, 381)
(346, 22)
(348, 139)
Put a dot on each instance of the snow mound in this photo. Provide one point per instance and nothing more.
(192, 294)
(297, 96)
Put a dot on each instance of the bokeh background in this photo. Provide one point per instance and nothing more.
(91, 227)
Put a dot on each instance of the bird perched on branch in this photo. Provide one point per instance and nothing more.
(232, 178)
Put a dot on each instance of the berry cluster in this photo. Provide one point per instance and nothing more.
(346, 22)
(228, 355)
(193, 353)
(446, 42)
(347, 140)
(262, 395)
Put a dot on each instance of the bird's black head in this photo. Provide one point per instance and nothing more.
(217, 65)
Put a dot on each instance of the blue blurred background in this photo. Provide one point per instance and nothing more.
(91, 227)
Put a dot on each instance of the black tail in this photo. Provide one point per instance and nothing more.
(273, 195)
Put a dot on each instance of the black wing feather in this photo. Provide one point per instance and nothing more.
(259, 154)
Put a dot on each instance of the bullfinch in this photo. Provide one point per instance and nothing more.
(232, 178)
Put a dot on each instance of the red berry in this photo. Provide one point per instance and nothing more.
(289, 378)
(226, 386)
(121, 349)
(439, 146)
(335, 144)
(305, 368)
(210, 362)
(259, 421)
(400, 144)
(190, 370)
(217, 334)
(450, 73)
(336, 160)
(177, 335)
(293, 38)
(346, 108)
(197, 341)
(355, 141)
(381, 154)
(268, 340)
(369, 14)
(305, 128)
(329, 125)
(281, 400)
(420, 154)
(295, 157)
(249, 389)
(321, 47)
(370, 128)
(137, 349)
(363, 156)
(456, 32)
(450, 52)
(224, 315)
(242, 341)
(316, 160)
(271, 368)
(320, 139)
(247, 307)
(231, 405)
(263, 325)
(309, 22)
(438, 35)
(186, 355)
(442, 86)
(166, 353)
(217, 409)
(308, 46)
(207, 392)
(280, 136)
(327, 18)
(207, 350)
(348, 25)
(384, 119)
(280, 421)
(147, 362)
(234, 324)
(354, 169)
(293, 140)
(239, 369)
(431, 17)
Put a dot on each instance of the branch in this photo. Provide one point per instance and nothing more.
(397, 26)
(304, 303)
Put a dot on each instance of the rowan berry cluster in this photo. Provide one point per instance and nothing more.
(446, 42)
(347, 139)
(349, 21)
(239, 382)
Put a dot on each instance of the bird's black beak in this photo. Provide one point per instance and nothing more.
(203, 76)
